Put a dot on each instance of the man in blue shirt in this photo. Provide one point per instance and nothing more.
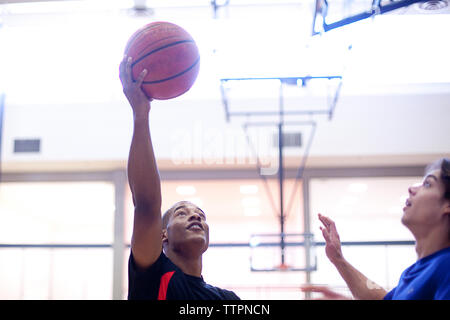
(427, 279)
(427, 215)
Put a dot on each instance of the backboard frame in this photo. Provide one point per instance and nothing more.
(321, 13)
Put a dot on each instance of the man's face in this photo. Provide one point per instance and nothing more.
(426, 205)
(187, 228)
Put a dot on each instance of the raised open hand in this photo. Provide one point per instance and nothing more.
(333, 242)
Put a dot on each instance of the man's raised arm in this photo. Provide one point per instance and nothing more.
(143, 175)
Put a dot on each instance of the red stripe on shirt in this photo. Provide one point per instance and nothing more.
(164, 284)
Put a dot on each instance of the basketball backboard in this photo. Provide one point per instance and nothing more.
(332, 14)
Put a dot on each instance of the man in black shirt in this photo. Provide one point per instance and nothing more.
(166, 252)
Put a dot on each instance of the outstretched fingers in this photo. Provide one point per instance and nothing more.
(314, 288)
(328, 223)
(328, 294)
(329, 230)
(325, 234)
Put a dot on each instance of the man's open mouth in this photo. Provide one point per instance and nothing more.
(195, 226)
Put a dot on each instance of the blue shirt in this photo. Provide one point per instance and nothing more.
(427, 279)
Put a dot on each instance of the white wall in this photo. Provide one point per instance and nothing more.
(370, 125)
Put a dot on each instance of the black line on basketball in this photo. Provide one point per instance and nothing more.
(159, 49)
(174, 76)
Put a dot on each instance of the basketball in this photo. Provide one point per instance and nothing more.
(169, 54)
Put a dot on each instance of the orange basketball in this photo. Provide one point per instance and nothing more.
(170, 56)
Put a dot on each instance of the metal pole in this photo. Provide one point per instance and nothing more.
(281, 173)
(119, 179)
(307, 230)
(2, 108)
(280, 180)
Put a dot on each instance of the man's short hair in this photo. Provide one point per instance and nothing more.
(168, 214)
(166, 217)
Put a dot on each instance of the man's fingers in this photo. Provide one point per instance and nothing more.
(328, 294)
(125, 71)
(327, 222)
(141, 77)
(313, 288)
(331, 225)
(323, 219)
(325, 234)
(126, 76)
(122, 70)
(128, 69)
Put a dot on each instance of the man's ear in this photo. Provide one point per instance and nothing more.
(447, 207)
(165, 239)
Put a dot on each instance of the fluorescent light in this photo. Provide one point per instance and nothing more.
(248, 189)
(186, 190)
